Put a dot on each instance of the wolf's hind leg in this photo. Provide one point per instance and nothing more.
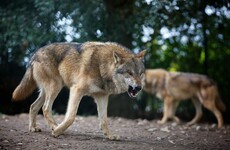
(102, 104)
(198, 108)
(34, 109)
(212, 107)
(52, 90)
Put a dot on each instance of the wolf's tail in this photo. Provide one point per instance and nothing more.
(219, 103)
(26, 86)
(211, 92)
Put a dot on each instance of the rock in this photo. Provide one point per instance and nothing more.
(165, 129)
(152, 129)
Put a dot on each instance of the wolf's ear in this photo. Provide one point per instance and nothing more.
(141, 54)
(117, 59)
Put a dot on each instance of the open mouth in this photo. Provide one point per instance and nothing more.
(133, 91)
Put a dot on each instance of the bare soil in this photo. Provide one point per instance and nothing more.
(134, 134)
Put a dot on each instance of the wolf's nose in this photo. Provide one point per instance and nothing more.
(138, 88)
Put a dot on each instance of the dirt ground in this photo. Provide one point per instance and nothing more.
(134, 134)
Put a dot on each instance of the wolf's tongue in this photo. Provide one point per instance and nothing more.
(132, 92)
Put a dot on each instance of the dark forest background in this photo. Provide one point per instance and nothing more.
(189, 36)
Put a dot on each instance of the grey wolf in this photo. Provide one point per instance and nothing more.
(173, 87)
(95, 69)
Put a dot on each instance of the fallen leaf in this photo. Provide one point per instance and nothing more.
(170, 141)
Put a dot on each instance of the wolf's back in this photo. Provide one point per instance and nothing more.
(26, 86)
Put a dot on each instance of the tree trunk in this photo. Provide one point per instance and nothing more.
(119, 13)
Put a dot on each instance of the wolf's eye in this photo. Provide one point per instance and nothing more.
(130, 73)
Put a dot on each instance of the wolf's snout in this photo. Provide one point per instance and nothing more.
(132, 91)
(138, 88)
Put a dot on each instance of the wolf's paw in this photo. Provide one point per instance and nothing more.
(113, 137)
(54, 127)
(35, 129)
(160, 122)
(176, 119)
(55, 134)
(190, 123)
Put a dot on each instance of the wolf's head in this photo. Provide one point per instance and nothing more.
(129, 73)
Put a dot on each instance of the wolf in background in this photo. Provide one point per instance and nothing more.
(173, 87)
(95, 69)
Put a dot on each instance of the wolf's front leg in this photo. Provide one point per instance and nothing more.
(166, 110)
(74, 100)
(102, 104)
